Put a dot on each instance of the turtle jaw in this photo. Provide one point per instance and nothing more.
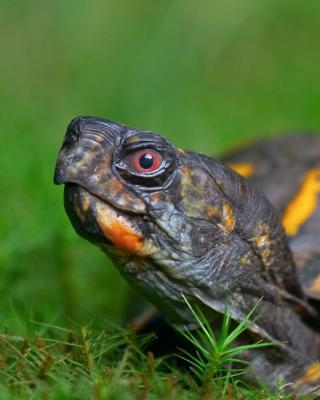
(101, 223)
(80, 208)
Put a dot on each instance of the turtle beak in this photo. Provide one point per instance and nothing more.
(88, 144)
(65, 158)
(85, 159)
(97, 202)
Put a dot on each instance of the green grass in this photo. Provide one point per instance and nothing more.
(114, 364)
(215, 357)
(207, 75)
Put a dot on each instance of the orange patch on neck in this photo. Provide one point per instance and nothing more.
(243, 169)
(303, 204)
(123, 237)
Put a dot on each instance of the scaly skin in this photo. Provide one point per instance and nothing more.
(192, 226)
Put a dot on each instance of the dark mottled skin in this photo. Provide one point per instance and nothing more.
(203, 231)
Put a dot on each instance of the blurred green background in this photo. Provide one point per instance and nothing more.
(206, 74)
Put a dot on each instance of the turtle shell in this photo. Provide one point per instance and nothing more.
(287, 170)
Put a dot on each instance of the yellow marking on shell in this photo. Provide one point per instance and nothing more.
(302, 206)
(243, 169)
(315, 287)
(312, 374)
(182, 151)
(228, 217)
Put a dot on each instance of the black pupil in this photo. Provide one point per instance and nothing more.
(146, 161)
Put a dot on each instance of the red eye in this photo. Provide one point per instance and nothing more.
(146, 161)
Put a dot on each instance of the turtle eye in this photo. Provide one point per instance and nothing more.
(146, 161)
(145, 166)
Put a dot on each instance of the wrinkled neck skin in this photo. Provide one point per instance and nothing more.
(220, 244)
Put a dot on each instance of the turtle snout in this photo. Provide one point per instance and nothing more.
(85, 152)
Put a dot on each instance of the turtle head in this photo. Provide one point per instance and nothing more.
(172, 221)
(111, 173)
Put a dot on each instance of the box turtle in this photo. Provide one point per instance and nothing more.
(226, 232)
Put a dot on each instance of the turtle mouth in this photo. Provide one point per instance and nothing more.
(101, 223)
(79, 204)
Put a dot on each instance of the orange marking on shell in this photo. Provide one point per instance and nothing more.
(312, 374)
(302, 206)
(243, 169)
(228, 217)
(123, 237)
(315, 287)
